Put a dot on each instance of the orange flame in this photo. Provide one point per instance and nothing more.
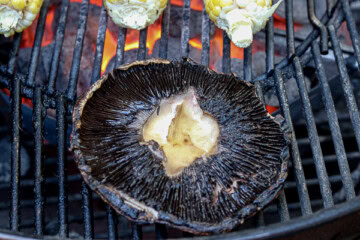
(131, 42)
(217, 41)
(109, 50)
(154, 34)
(48, 34)
(27, 40)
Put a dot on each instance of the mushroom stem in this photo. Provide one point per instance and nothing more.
(183, 131)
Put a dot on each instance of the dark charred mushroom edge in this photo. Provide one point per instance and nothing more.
(208, 197)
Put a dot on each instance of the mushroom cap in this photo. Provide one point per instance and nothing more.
(212, 195)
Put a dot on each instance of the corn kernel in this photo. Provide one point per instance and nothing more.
(33, 7)
(211, 5)
(18, 4)
(163, 3)
(216, 2)
(212, 17)
(29, 10)
(207, 9)
(224, 3)
(216, 11)
(261, 3)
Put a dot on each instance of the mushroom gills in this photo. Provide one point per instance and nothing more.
(183, 131)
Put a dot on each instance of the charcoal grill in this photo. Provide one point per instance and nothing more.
(306, 212)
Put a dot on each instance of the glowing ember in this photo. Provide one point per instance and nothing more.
(196, 43)
(25, 101)
(195, 4)
(271, 109)
(95, 2)
(280, 23)
(131, 42)
(48, 34)
(109, 50)
(154, 34)
(217, 42)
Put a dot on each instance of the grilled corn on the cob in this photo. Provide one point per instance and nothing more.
(136, 14)
(240, 18)
(16, 15)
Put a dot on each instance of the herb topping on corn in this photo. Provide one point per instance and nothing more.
(136, 14)
(16, 15)
(240, 18)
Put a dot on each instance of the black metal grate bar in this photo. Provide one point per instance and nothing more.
(226, 59)
(185, 31)
(296, 161)
(87, 210)
(352, 29)
(80, 36)
(136, 231)
(329, 6)
(248, 63)
(35, 52)
(39, 178)
(334, 124)
(49, 180)
(325, 187)
(15, 154)
(100, 41)
(86, 191)
(290, 40)
(163, 44)
(346, 84)
(205, 38)
(141, 54)
(318, 24)
(59, 40)
(315, 181)
(15, 136)
(112, 223)
(62, 173)
(285, 64)
(14, 52)
(270, 49)
(119, 57)
(270, 57)
(160, 231)
(283, 207)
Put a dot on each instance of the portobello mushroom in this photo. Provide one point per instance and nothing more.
(174, 142)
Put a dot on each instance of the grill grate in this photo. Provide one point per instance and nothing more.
(45, 97)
